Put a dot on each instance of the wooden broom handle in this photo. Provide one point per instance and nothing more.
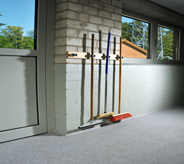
(92, 74)
(120, 72)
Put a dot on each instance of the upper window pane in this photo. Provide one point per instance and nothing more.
(17, 20)
(167, 44)
(135, 36)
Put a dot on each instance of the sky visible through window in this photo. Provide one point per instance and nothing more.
(17, 24)
(126, 19)
(18, 13)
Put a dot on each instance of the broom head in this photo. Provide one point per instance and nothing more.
(109, 114)
(120, 116)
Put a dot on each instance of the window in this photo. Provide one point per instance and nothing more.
(17, 24)
(135, 35)
(167, 44)
(147, 38)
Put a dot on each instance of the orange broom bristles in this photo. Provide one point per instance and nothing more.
(120, 117)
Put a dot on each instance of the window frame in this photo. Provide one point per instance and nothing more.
(148, 54)
(153, 32)
(36, 27)
(179, 48)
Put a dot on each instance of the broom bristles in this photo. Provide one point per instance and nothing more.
(109, 114)
(120, 116)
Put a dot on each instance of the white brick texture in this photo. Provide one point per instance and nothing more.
(61, 6)
(90, 10)
(96, 20)
(83, 17)
(75, 7)
(138, 92)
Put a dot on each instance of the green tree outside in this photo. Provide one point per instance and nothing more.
(126, 32)
(168, 39)
(12, 37)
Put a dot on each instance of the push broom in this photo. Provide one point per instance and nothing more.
(106, 114)
(120, 116)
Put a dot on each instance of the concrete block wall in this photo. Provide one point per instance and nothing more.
(148, 88)
(145, 88)
(60, 98)
(74, 19)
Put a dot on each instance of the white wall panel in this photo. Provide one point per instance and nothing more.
(18, 104)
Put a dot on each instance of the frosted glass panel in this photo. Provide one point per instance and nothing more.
(18, 101)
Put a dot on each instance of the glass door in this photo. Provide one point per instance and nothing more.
(22, 68)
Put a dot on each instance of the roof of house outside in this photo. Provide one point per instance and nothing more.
(133, 45)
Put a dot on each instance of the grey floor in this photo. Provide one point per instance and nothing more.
(156, 138)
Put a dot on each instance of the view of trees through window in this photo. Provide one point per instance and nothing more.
(17, 26)
(167, 44)
(12, 37)
(136, 32)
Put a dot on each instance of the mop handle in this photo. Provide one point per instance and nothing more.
(107, 58)
(106, 70)
(120, 72)
(92, 75)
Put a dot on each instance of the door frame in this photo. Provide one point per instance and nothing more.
(45, 36)
(50, 53)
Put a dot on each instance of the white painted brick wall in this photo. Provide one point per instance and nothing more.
(85, 2)
(74, 24)
(108, 8)
(61, 15)
(107, 22)
(81, 17)
(75, 7)
(90, 10)
(144, 89)
(60, 41)
(104, 14)
(94, 19)
(60, 101)
(106, 1)
(60, 33)
(116, 17)
(61, 24)
(90, 27)
(95, 4)
(61, 7)
(72, 14)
